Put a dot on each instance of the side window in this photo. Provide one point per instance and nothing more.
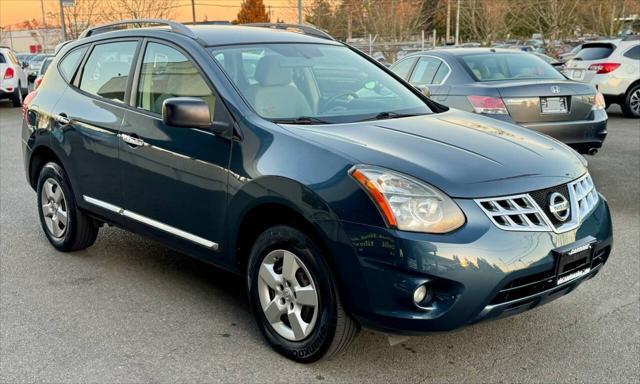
(425, 70)
(403, 68)
(633, 53)
(441, 74)
(69, 63)
(106, 71)
(168, 73)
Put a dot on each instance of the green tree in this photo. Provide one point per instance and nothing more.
(252, 11)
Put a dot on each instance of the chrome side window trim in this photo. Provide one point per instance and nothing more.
(154, 223)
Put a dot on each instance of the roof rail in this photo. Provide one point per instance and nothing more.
(305, 29)
(175, 27)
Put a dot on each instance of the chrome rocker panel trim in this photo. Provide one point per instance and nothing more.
(154, 223)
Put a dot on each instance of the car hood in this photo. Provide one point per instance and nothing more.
(463, 154)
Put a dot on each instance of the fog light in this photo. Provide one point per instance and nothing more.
(419, 294)
(423, 295)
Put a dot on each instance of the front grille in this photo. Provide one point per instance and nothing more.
(585, 195)
(541, 197)
(514, 213)
(530, 211)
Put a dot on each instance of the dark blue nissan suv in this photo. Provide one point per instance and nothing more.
(344, 195)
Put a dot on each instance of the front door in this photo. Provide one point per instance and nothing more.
(174, 179)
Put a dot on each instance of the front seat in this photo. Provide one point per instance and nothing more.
(275, 96)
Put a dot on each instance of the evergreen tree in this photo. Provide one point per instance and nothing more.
(252, 11)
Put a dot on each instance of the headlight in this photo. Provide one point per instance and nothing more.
(409, 204)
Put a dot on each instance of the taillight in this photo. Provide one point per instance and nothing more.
(37, 82)
(485, 104)
(603, 67)
(26, 102)
(9, 73)
(598, 102)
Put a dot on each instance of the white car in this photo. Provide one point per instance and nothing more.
(13, 78)
(614, 68)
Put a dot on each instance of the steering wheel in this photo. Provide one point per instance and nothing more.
(334, 99)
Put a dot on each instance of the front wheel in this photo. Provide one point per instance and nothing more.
(294, 297)
(631, 104)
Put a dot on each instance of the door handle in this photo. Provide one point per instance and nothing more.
(62, 119)
(132, 140)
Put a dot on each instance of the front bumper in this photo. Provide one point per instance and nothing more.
(468, 270)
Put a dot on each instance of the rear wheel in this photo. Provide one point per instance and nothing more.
(16, 98)
(294, 297)
(631, 104)
(66, 227)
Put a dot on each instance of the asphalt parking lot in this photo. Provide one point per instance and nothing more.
(130, 310)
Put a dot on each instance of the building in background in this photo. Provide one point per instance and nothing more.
(42, 40)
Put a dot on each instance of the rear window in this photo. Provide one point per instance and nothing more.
(508, 66)
(595, 51)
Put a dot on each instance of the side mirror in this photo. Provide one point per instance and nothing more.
(424, 90)
(190, 112)
(24, 64)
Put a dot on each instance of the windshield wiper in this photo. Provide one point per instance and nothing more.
(390, 115)
(308, 120)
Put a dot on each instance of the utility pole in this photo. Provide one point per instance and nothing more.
(448, 22)
(64, 28)
(299, 12)
(193, 11)
(44, 28)
(458, 23)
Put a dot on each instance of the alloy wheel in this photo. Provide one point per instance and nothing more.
(54, 208)
(634, 102)
(288, 295)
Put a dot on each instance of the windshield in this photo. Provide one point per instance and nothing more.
(315, 84)
(509, 66)
(37, 59)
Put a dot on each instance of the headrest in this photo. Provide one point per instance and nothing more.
(269, 71)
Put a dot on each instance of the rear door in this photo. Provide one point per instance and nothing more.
(88, 119)
(174, 178)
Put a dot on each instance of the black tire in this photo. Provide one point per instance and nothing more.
(80, 230)
(632, 96)
(334, 328)
(16, 98)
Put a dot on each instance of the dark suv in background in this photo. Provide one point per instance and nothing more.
(343, 195)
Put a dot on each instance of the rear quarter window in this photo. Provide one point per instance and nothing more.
(633, 53)
(403, 67)
(595, 51)
(70, 62)
(2, 59)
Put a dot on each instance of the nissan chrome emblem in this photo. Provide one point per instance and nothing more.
(559, 206)
(555, 89)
